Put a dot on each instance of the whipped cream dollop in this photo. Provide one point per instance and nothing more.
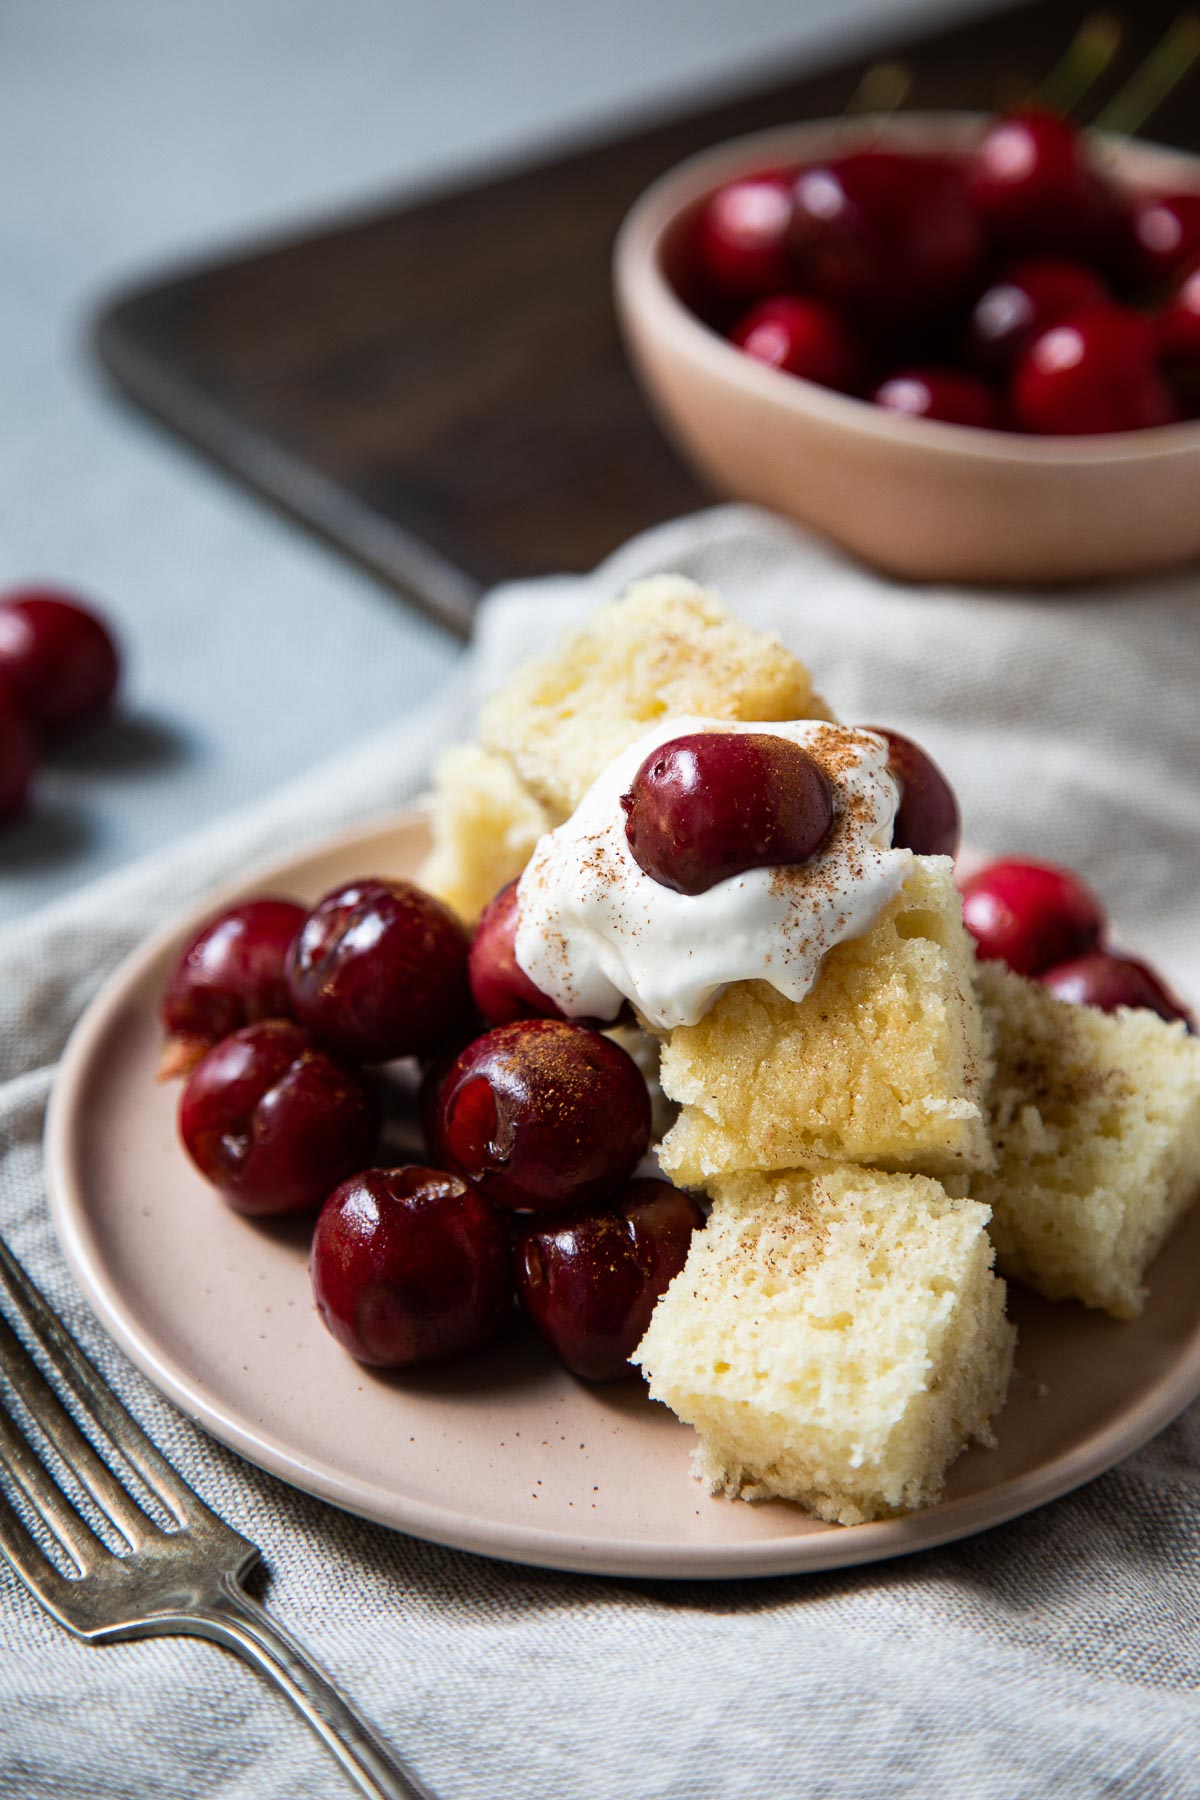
(594, 930)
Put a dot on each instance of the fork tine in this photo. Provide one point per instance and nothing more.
(39, 1574)
(47, 1499)
(95, 1394)
(66, 1437)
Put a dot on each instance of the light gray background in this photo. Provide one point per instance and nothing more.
(134, 132)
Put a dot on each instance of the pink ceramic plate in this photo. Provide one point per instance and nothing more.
(506, 1455)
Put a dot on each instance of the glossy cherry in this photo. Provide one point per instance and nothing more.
(1105, 980)
(232, 973)
(18, 756)
(945, 394)
(1092, 372)
(590, 1281)
(1164, 234)
(273, 1121)
(741, 242)
(927, 821)
(58, 658)
(379, 970)
(501, 989)
(1035, 191)
(410, 1266)
(1031, 915)
(801, 337)
(1023, 300)
(1177, 329)
(886, 238)
(712, 804)
(542, 1114)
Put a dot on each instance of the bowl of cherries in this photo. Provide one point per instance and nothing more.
(290, 1028)
(966, 348)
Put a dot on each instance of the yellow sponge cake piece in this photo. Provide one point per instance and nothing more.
(1096, 1120)
(666, 648)
(484, 823)
(885, 1062)
(835, 1338)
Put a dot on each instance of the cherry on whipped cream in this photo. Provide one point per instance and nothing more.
(712, 804)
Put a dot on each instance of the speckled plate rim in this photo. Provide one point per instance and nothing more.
(1123, 1432)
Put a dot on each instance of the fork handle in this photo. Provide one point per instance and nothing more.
(233, 1619)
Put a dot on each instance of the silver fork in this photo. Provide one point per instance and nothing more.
(186, 1581)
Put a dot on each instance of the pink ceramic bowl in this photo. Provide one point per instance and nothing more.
(917, 498)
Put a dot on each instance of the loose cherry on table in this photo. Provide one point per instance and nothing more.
(1164, 233)
(500, 987)
(1033, 187)
(1108, 981)
(379, 970)
(802, 337)
(232, 973)
(410, 1266)
(18, 756)
(273, 1121)
(1031, 915)
(1093, 371)
(887, 238)
(945, 394)
(1022, 301)
(591, 1280)
(58, 658)
(542, 1114)
(741, 242)
(927, 820)
(713, 804)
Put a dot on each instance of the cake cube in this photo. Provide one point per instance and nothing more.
(667, 647)
(885, 1062)
(484, 823)
(836, 1338)
(1096, 1122)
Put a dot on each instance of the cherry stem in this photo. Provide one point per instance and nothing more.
(882, 91)
(1164, 68)
(1083, 62)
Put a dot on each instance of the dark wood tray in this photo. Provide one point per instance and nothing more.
(438, 389)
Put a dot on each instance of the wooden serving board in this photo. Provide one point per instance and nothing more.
(438, 388)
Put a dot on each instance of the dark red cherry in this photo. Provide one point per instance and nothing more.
(1164, 234)
(58, 658)
(740, 246)
(927, 821)
(501, 989)
(1177, 329)
(715, 803)
(1021, 301)
(591, 1280)
(801, 337)
(887, 238)
(943, 394)
(1031, 915)
(1034, 189)
(18, 756)
(379, 970)
(410, 1266)
(1092, 372)
(1108, 981)
(542, 1114)
(231, 974)
(273, 1121)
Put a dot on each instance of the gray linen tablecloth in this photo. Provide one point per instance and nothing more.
(1056, 1655)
